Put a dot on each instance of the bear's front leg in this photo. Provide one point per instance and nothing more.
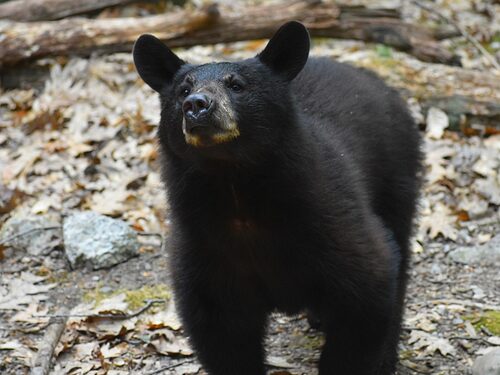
(226, 333)
(355, 341)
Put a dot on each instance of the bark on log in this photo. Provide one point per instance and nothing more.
(469, 97)
(39, 10)
(20, 42)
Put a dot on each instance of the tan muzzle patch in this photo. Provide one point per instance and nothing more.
(224, 116)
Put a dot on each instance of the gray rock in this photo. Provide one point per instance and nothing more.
(27, 233)
(488, 253)
(488, 364)
(98, 240)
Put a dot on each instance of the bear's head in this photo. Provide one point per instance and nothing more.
(235, 112)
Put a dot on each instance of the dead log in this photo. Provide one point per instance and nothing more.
(469, 97)
(38, 10)
(21, 42)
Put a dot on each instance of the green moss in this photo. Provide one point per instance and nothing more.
(382, 64)
(406, 354)
(488, 319)
(59, 277)
(313, 342)
(134, 298)
(383, 51)
(96, 295)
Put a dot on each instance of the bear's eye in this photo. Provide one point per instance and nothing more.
(236, 87)
(185, 92)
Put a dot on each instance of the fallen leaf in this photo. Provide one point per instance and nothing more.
(24, 290)
(440, 221)
(106, 329)
(165, 318)
(115, 351)
(278, 362)
(165, 347)
(431, 343)
(18, 350)
(9, 199)
(489, 187)
(166, 342)
(437, 121)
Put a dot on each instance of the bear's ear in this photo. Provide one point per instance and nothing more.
(155, 62)
(287, 51)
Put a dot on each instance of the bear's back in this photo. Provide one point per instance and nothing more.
(357, 116)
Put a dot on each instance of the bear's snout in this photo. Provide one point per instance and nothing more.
(197, 107)
(208, 118)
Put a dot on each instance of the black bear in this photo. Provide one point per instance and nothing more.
(292, 184)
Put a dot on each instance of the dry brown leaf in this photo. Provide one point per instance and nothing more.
(437, 121)
(29, 315)
(115, 351)
(27, 156)
(23, 290)
(441, 220)
(438, 165)
(67, 340)
(489, 188)
(9, 199)
(106, 329)
(110, 202)
(165, 318)
(431, 343)
(18, 350)
(173, 345)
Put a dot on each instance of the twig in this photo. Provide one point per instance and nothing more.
(169, 367)
(414, 367)
(469, 339)
(152, 234)
(492, 60)
(478, 305)
(147, 306)
(487, 331)
(41, 365)
(25, 233)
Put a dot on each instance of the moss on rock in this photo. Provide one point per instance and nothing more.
(488, 319)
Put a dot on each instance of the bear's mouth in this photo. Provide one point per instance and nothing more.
(206, 134)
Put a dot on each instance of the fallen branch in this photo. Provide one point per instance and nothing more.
(147, 306)
(152, 234)
(21, 42)
(470, 97)
(41, 365)
(38, 10)
(6, 240)
(482, 306)
(484, 341)
(415, 367)
(491, 59)
(169, 367)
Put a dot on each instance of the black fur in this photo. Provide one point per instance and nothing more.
(311, 207)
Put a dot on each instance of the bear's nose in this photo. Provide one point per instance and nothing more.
(196, 105)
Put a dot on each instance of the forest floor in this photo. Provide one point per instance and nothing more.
(85, 140)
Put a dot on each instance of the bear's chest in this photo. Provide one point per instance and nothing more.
(272, 258)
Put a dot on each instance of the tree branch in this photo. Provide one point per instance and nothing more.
(21, 42)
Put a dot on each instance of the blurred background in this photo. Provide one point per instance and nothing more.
(84, 226)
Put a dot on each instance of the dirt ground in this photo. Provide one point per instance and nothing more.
(291, 343)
